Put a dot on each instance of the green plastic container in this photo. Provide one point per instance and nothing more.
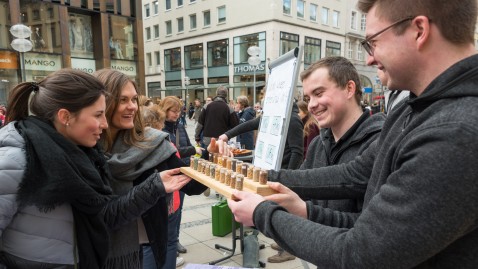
(221, 219)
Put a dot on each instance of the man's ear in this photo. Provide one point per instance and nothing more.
(351, 88)
(63, 116)
(421, 25)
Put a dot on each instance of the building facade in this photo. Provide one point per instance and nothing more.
(207, 42)
(82, 34)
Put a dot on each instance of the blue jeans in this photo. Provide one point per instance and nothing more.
(172, 249)
(148, 258)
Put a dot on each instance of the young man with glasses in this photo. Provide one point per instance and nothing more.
(420, 207)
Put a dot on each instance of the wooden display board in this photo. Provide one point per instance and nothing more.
(248, 185)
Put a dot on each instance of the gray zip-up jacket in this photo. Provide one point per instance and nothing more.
(420, 207)
(48, 237)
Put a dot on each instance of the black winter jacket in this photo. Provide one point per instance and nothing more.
(185, 148)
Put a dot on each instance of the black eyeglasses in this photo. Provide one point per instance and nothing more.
(367, 45)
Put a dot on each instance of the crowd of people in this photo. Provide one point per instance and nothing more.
(89, 168)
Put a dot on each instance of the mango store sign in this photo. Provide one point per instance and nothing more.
(127, 67)
(43, 62)
(85, 65)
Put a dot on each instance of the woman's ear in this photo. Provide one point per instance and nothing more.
(63, 116)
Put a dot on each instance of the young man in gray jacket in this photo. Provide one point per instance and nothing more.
(420, 204)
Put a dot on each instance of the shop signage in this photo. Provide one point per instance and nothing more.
(240, 69)
(8, 60)
(42, 62)
(85, 65)
(127, 67)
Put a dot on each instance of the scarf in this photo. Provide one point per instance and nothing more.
(59, 172)
(128, 163)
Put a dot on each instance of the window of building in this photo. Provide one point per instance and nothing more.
(221, 14)
(157, 58)
(325, 15)
(45, 37)
(123, 38)
(242, 43)
(332, 48)
(180, 3)
(350, 50)
(5, 42)
(81, 36)
(169, 28)
(172, 59)
(146, 11)
(149, 60)
(192, 21)
(168, 4)
(286, 7)
(148, 33)
(363, 22)
(335, 18)
(155, 7)
(312, 50)
(288, 42)
(300, 8)
(193, 56)
(359, 52)
(180, 25)
(313, 12)
(207, 18)
(217, 53)
(192, 1)
(353, 20)
(156, 31)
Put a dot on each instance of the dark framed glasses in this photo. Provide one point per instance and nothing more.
(367, 45)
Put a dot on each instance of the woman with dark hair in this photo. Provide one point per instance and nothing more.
(56, 203)
(136, 152)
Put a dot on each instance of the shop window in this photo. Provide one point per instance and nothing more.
(288, 42)
(193, 56)
(172, 59)
(217, 53)
(123, 39)
(242, 43)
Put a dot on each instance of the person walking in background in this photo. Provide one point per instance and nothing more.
(420, 201)
(245, 113)
(197, 110)
(58, 209)
(3, 111)
(311, 126)
(216, 118)
(191, 111)
(136, 152)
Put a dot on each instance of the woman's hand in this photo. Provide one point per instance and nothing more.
(199, 150)
(287, 199)
(173, 180)
(219, 146)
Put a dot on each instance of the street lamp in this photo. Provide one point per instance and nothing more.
(254, 60)
(21, 44)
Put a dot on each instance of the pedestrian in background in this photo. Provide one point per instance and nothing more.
(245, 113)
(311, 126)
